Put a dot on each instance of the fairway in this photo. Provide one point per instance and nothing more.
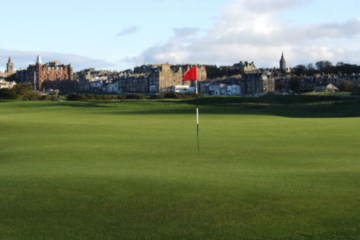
(130, 170)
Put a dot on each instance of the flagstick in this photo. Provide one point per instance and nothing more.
(198, 129)
(197, 87)
(192, 75)
(197, 116)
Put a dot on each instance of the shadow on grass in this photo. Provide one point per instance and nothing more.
(285, 106)
(337, 110)
(55, 104)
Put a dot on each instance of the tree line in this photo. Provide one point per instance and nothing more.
(24, 91)
(326, 67)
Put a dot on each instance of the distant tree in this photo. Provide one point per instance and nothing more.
(20, 91)
(347, 86)
(212, 71)
(7, 94)
(300, 70)
(348, 68)
(324, 66)
(310, 67)
(23, 89)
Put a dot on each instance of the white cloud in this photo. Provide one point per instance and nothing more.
(271, 5)
(253, 30)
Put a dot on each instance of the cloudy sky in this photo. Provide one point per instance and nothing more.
(118, 34)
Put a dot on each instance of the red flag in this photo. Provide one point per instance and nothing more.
(191, 75)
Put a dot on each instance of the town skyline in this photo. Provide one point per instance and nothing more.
(221, 33)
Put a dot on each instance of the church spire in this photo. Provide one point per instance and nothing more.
(38, 60)
(283, 67)
(10, 67)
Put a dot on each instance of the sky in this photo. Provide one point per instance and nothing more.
(120, 34)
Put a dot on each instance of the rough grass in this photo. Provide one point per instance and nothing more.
(130, 170)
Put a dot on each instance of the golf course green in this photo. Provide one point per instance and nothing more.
(126, 170)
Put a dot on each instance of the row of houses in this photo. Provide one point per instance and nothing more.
(154, 79)
(146, 79)
(241, 79)
(317, 82)
(247, 84)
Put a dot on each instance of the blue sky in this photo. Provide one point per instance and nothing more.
(120, 34)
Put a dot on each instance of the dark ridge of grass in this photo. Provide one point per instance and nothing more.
(285, 106)
(269, 99)
(273, 99)
(293, 106)
(332, 110)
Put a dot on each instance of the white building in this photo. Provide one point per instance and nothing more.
(327, 88)
(5, 84)
(113, 88)
(183, 89)
(222, 89)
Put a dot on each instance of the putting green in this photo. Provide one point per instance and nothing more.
(130, 170)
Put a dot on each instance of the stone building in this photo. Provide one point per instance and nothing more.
(246, 67)
(146, 79)
(256, 84)
(155, 78)
(163, 77)
(135, 83)
(331, 88)
(251, 84)
(289, 83)
(43, 76)
(10, 69)
(94, 80)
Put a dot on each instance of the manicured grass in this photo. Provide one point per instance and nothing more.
(130, 170)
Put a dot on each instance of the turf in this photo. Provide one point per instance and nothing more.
(130, 170)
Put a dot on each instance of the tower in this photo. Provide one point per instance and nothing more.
(10, 67)
(37, 74)
(38, 60)
(283, 67)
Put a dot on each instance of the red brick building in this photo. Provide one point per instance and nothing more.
(44, 76)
